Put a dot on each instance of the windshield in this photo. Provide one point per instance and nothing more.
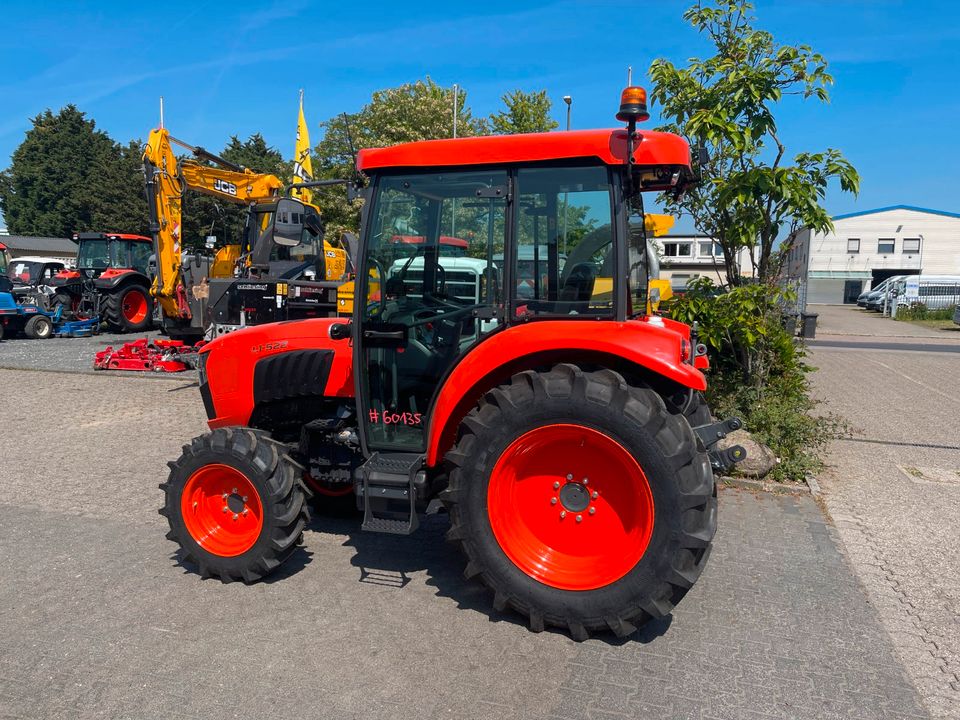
(3, 261)
(24, 271)
(100, 254)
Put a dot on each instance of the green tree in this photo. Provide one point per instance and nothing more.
(207, 215)
(751, 191)
(524, 113)
(422, 110)
(68, 176)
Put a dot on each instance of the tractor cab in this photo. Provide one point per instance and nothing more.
(99, 252)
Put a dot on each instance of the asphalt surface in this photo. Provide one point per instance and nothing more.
(99, 619)
(893, 491)
(877, 345)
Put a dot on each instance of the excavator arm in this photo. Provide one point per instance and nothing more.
(167, 179)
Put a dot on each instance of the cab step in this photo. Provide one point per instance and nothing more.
(388, 485)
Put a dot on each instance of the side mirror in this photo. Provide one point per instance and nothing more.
(288, 222)
(340, 331)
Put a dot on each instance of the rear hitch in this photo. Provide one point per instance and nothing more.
(713, 433)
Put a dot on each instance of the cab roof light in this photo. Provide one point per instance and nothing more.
(633, 105)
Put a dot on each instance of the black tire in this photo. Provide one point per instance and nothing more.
(695, 409)
(38, 327)
(658, 438)
(112, 309)
(276, 478)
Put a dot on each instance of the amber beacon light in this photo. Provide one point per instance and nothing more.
(633, 105)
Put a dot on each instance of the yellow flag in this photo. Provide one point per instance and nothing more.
(302, 165)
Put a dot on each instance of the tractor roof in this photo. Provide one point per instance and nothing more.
(608, 146)
(110, 236)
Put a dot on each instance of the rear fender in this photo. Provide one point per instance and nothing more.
(112, 278)
(651, 347)
(229, 380)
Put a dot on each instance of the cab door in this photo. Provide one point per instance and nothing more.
(431, 290)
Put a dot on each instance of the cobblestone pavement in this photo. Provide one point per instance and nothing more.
(852, 320)
(893, 492)
(98, 620)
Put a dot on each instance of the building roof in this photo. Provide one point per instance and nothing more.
(914, 208)
(28, 243)
(609, 146)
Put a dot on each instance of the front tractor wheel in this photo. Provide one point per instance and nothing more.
(235, 504)
(128, 310)
(580, 501)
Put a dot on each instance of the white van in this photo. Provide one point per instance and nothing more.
(935, 292)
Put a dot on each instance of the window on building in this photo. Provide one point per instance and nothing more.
(885, 246)
(911, 245)
(710, 249)
(677, 249)
(853, 245)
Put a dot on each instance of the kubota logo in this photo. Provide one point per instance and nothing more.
(225, 187)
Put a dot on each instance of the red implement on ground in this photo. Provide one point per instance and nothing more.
(145, 356)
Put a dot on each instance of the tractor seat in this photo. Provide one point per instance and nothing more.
(578, 287)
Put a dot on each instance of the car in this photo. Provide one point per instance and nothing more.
(934, 292)
(876, 297)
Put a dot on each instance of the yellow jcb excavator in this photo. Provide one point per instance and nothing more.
(261, 279)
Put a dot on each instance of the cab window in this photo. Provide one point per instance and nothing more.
(564, 243)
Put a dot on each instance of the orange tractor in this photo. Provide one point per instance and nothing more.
(560, 424)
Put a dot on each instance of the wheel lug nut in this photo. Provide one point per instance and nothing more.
(563, 514)
(235, 516)
(224, 496)
(592, 510)
(195, 505)
(244, 498)
(553, 501)
(234, 491)
(579, 518)
(225, 508)
(556, 486)
(586, 480)
(595, 495)
(246, 511)
(569, 476)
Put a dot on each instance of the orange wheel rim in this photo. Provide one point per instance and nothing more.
(570, 507)
(134, 306)
(221, 510)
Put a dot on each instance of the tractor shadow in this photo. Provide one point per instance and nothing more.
(388, 561)
(300, 558)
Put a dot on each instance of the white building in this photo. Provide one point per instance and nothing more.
(870, 246)
(686, 257)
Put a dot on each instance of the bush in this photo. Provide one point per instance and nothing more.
(757, 370)
(919, 311)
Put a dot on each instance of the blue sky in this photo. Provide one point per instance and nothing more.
(235, 68)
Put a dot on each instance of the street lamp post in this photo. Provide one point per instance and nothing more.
(569, 101)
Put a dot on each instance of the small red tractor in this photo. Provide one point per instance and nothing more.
(560, 424)
(111, 281)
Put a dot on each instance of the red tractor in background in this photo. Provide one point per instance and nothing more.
(562, 427)
(111, 281)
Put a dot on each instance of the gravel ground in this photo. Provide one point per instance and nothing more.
(100, 620)
(893, 492)
(67, 354)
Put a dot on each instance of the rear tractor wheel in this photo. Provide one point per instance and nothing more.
(580, 501)
(127, 309)
(236, 504)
